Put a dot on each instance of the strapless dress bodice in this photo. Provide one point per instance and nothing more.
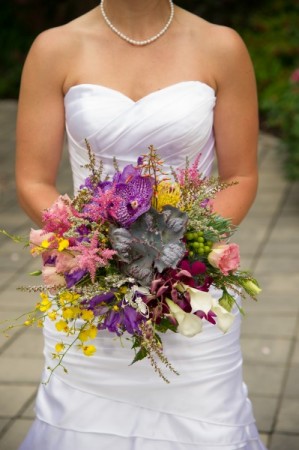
(177, 120)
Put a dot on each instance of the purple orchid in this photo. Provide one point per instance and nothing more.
(136, 198)
(123, 199)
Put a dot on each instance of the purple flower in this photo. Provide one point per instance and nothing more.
(136, 199)
(131, 319)
(112, 322)
(128, 174)
(98, 304)
(124, 319)
(49, 260)
(209, 316)
(74, 277)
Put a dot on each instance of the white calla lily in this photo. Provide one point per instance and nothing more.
(200, 300)
(188, 324)
(224, 317)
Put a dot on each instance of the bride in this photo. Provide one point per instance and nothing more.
(126, 75)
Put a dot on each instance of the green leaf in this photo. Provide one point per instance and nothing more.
(36, 273)
(165, 324)
(141, 354)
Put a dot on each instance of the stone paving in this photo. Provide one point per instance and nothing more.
(270, 337)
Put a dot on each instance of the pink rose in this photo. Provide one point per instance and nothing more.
(225, 257)
(36, 237)
(65, 262)
(51, 277)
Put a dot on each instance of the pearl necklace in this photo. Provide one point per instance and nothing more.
(132, 41)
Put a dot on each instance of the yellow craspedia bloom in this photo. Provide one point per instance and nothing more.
(88, 350)
(63, 244)
(62, 326)
(59, 347)
(167, 194)
(87, 315)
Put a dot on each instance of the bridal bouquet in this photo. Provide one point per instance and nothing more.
(136, 255)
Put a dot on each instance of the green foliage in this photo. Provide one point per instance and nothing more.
(272, 36)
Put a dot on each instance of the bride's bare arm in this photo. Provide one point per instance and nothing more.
(236, 126)
(40, 124)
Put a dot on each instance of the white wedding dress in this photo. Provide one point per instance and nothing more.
(102, 403)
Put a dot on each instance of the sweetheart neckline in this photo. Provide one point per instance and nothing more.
(117, 92)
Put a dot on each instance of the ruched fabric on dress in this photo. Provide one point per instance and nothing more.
(103, 403)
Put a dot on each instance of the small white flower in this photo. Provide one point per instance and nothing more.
(136, 301)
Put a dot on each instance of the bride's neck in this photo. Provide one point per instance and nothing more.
(137, 18)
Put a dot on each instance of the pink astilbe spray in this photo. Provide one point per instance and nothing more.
(104, 205)
(190, 175)
(90, 256)
(56, 219)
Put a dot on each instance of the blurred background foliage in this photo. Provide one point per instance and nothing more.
(270, 29)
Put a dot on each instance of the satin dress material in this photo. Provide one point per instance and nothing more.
(102, 402)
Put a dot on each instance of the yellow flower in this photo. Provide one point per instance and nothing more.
(45, 244)
(83, 335)
(87, 315)
(62, 326)
(28, 322)
(63, 244)
(45, 304)
(68, 297)
(88, 350)
(52, 315)
(68, 313)
(59, 347)
(93, 331)
(89, 333)
(167, 194)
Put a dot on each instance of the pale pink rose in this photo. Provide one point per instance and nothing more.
(36, 237)
(225, 257)
(65, 262)
(51, 277)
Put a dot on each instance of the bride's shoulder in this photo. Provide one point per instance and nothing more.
(216, 40)
(63, 41)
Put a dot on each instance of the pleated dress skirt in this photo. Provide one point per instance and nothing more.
(103, 403)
